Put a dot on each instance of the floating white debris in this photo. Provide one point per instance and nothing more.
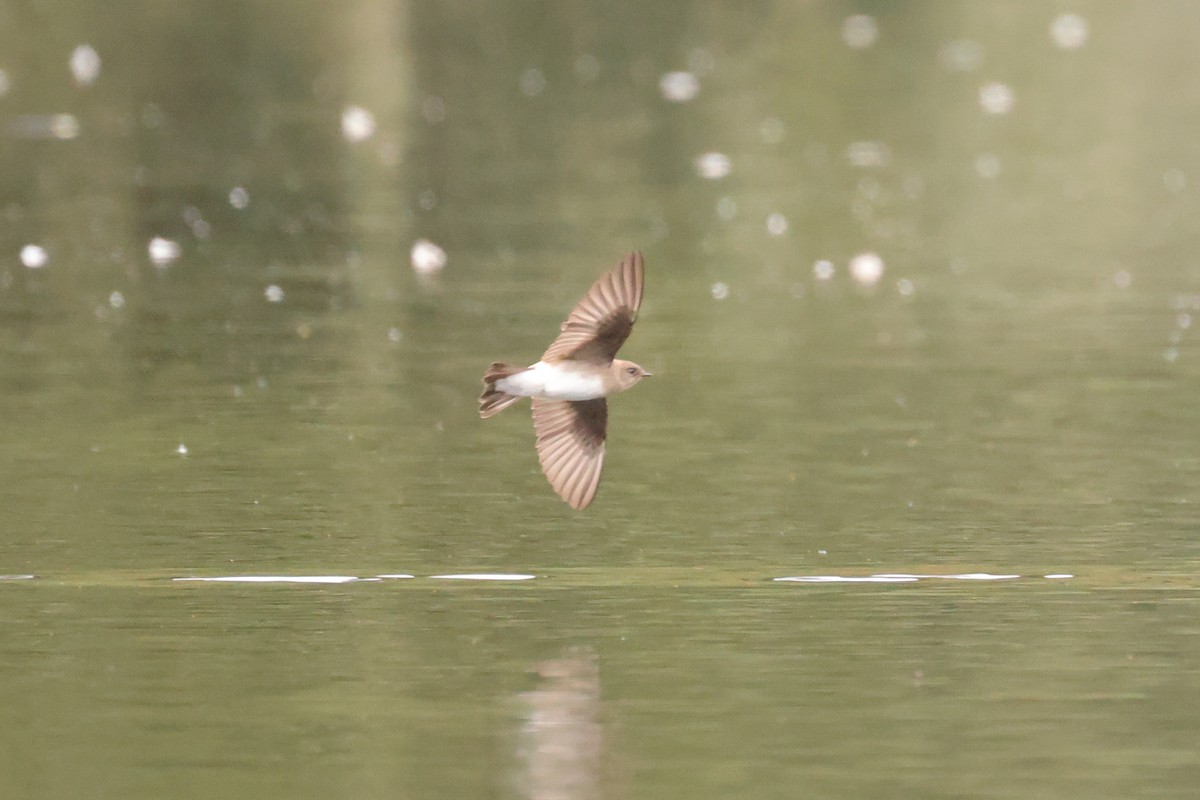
(1069, 31)
(358, 124)
(394, 335)
(34, 256)
(866, 269)
(823, 270)
(845, 579)
(163, 251)
(720, 290)
(679, 87)
(273, 579)
(182, 449)
(996, 98)
(239, 198)
(1058, 576)
(895, 577)
(533, 82)
(116, 300)
(713, 166)
(961, 55)
(273, 293)
(860, 31)
(484, 576)
(44, 126)
(85, 65)
(777, 224)
(1122, 279)
(426, 257)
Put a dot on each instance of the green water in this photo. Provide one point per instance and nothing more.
(1014, 396)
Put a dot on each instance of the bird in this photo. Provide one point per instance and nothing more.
(570, 384)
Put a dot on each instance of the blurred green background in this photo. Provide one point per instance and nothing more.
(921, 283)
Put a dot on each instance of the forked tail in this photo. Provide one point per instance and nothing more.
(493, 401)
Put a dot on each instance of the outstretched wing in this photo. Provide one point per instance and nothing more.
(600, 322)
(570, 446)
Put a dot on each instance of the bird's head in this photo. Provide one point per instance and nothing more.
(627, 373)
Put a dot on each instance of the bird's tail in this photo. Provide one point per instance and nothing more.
(493, 401)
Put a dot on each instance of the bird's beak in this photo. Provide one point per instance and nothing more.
(647, 374)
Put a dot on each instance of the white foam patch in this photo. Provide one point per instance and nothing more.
(273, 579)
(484, 576)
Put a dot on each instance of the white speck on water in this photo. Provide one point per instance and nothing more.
(905, 287)
(426, 257)
(394, 335)
(822, 552)
(860, 31)
(1069, 31)
(163, 251)
(823, 270)
(533, 82)
(996, 98)
(587, 68)
(777, 224)
(987, 165)
(726, 208)
(1174, 180)
(679, 87)
(720, 290)
(866, 269)
(772, 130)
(961, 55)
(239, 198)
(182, 449)
(358, 124)
(116, 300)
(1122, 279)
(484, 576)
(273, 293)
(713, 165)
(85, 65)
(34, 256)
(868, 154)
(1171, 355)
(1058, 576)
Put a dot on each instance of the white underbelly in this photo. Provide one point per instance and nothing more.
(552, 382)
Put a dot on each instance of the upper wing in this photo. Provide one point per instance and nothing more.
(600, 322)
(570, 446)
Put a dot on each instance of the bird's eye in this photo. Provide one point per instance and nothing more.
(632, 370)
